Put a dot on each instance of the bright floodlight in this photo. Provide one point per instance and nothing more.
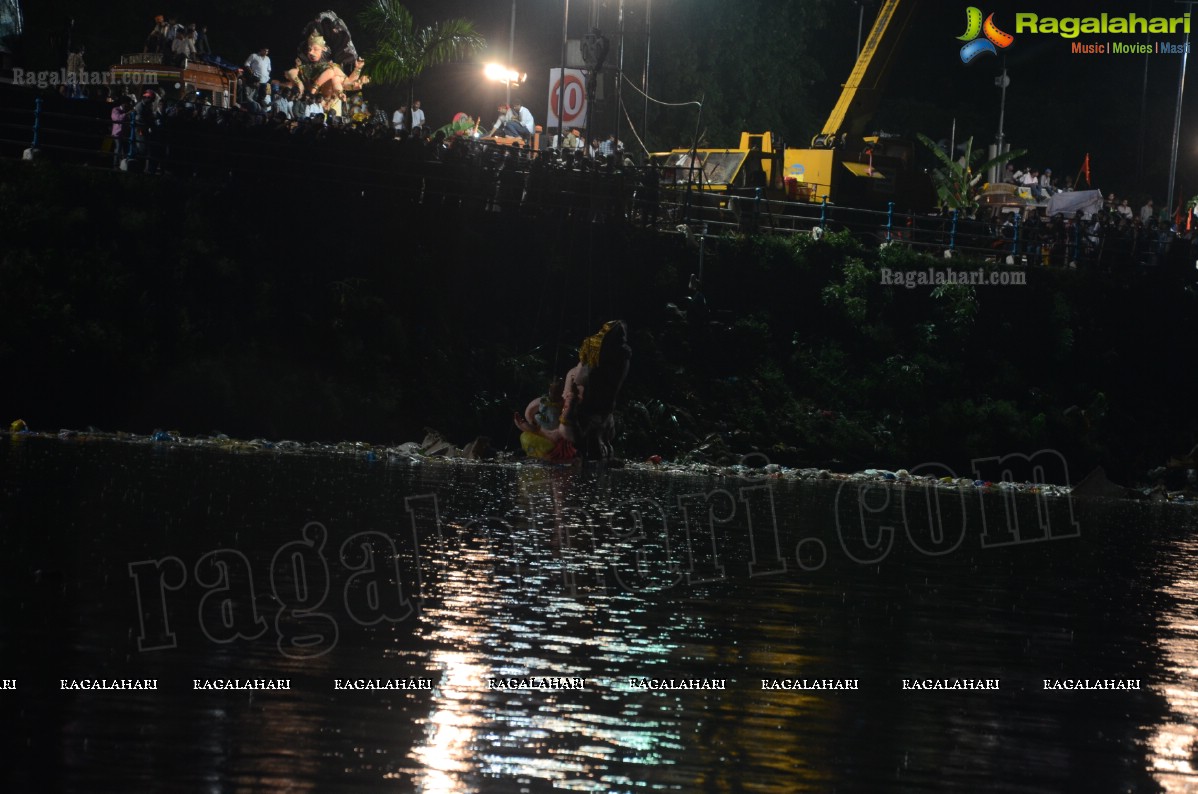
(501, 74)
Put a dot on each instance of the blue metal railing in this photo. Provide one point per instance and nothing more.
(37, 121)
(206, 150)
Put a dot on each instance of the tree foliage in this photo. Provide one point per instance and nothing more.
(958, 181)
(403, 50)
(756, 65)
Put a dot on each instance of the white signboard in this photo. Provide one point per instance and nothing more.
(573, 98)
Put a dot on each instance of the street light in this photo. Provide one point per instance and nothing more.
(1181, 84)
(505, 75)
(1002, 81)
(1001, 147)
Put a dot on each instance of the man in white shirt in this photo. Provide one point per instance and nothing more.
(1147, 211)
(282, 103)
(183, 47)
(505, 115)
(1046, 182)
(417, 117)
(1031, 181)
(173, 29)
(399, 120)
(258, 65)
(519, 124)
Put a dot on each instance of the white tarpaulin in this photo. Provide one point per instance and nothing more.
(1088, 201)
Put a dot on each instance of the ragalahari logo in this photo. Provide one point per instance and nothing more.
(974, 27)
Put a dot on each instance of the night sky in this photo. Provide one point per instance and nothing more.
(1060, 106)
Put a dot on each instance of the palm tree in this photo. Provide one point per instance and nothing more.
(404, 51)
(957, 182)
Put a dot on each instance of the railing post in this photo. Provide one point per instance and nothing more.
(132, 117)
(823, 210)
(952, 235)
(37, 121)
(32, 152)
(1015, 238)
(889, 218)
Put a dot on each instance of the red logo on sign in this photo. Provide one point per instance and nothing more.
(574, 98)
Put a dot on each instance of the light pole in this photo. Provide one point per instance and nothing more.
(561, 83)
(620, 72)
(1181, 84)
(1002, 81)
(511, 47)
(645, 76)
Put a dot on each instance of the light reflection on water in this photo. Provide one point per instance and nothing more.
(505, 591)
(542, 572)
(1174, 743)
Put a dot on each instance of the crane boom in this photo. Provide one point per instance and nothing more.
(842, 165)
(861, 93)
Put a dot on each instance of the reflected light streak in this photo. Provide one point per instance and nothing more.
(452, 727)
(1173, 744)
(495, 618)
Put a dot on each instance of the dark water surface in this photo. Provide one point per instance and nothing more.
(126, 561)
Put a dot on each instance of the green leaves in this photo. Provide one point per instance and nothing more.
(957, 181)
(403, 51)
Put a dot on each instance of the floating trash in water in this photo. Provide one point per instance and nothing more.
(434, 449)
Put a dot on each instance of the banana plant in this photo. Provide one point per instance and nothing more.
(957, 182)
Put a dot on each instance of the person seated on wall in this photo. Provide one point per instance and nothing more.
(520, 124)
(505, 116)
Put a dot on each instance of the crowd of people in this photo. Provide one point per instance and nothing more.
(1043, 185)
(156, 133)
(1118, 233)
(316, 88)
(1040, 185)
(1107, 239)
(454, 164)
(361, 153)
(176, 42)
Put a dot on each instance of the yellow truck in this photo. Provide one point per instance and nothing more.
(842, 164)
(147, 69)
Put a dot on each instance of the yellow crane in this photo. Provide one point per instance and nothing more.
(844, 164)
(841, 163)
